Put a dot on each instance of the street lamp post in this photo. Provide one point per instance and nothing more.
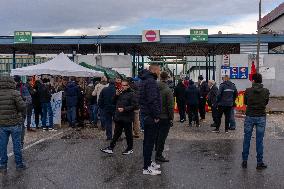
(258, 37)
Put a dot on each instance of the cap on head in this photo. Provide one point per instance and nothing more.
(200, 78)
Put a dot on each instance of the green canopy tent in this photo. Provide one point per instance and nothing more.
(109, 73)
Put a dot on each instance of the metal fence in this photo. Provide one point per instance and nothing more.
(6, 64)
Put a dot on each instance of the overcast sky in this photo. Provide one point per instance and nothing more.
(82, 17)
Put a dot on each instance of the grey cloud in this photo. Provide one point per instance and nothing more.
(60, 15)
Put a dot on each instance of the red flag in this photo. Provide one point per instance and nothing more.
(253, 71)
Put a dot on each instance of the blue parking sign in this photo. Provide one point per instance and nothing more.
(234, 74)
(243, 72)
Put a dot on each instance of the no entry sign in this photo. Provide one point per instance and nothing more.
(151, 36)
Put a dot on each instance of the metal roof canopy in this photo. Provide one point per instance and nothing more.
(170, 45)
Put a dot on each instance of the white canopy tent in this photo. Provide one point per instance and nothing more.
(59, 65)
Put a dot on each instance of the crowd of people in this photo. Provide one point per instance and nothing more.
(135, 105)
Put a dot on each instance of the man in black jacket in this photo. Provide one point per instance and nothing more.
(203, 89)
(192, 96)
(126, 103)
(226, 98)
(107, 107)
(212, 101)
(45, 99)
(150, 104)
(179, 93)
(256, 99)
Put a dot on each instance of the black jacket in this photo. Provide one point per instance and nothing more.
(227, 94)
(203, 89)
(256, 99)
(179, 93)
(45, 93)
(106, 99)
(128, 102)
(192, 95)
(212, 96)
(150, 98)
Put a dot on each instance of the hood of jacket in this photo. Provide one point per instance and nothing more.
(162, 85)
(7, 82)
(146, 74)
(71, 85)
(257, 87)
(228, 83)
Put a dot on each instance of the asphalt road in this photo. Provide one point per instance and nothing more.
(213, 162)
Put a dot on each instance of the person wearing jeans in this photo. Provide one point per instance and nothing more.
(45, 99)
(256, 99)
(47, 111)
(126, 103)
(71, 95)
(11, 108)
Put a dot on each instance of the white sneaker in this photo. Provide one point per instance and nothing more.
(107, 150)
(52, 129)
(127, 152)
(155, 166)
(151, 171)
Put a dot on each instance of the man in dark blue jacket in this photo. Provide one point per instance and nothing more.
(226, 98)
(107, 107)
(71, 93)
(150, 104)
(192, 96)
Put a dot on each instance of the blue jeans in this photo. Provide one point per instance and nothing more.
(15, 132)
(71, 115)
(46, 108)
(259, 123)
(232, 119)
(95, 113)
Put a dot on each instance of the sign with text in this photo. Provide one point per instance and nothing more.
(150, 36)
(234, 74)
(226, 60)
(243, 73)
(198, 35)
(225, 70)
(23, 37)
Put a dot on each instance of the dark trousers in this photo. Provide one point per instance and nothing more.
(108, 124)
(227, 111)
(38, 112)
(193, 114)
(214, 110)
(181, 110)
(150, 134)
(202, 104)
(119, 126)
(29, 111)
(163, 131)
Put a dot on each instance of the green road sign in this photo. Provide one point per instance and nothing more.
(198, 35)
(23, 37)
